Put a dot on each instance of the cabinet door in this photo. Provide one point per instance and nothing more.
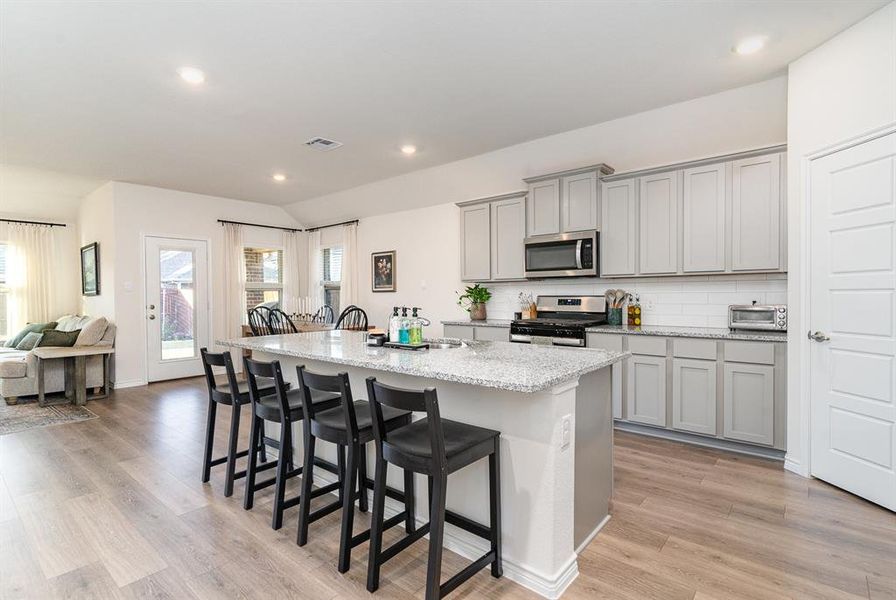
(749, 403)
(658, 220)
(618, 233)
(493, 334)
(543, 207)
(507, 240)
(703, 219)
(756, 214)
(464, 332)
(694, 395)
(475, 246)
(578, 205)
(646, 393)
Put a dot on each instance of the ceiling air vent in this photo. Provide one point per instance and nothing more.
(322, 144)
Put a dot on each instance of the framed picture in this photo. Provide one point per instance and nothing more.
(90, 270)
(383, 271)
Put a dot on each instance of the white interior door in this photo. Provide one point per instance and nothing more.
(177, 315)
(852, 207)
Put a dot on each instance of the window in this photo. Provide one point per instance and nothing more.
(264, 276)
(332, 276)
(4, 292)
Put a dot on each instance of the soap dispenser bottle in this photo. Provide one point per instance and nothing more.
(404, 327)
(393, 325)
(416, 329)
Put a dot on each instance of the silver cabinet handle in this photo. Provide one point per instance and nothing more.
(818, 336)
(151, 317)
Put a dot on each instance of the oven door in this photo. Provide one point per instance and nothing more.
(563, 255)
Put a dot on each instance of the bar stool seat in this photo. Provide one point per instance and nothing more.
(268, 406)
(329, 424)
(464, 443)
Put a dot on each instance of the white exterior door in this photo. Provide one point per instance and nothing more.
(852, 207)
(177, 307)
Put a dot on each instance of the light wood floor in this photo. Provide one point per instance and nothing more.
(113, 508)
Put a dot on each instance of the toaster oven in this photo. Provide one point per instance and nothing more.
(758, 317)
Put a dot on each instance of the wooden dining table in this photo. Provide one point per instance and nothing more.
(302, 326)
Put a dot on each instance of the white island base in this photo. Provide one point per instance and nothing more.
(556, 466)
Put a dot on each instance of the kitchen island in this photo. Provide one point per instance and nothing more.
(552, 407)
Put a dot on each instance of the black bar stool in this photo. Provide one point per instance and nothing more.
(285, 407)
(435, 447)
(225, 396)
(348, 426)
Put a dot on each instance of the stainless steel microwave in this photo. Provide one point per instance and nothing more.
(562, 255)
(758, 317)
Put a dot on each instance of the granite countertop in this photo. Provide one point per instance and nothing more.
(502, 365)
(486, 323)
(721, 333)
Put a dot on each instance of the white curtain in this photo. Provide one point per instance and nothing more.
(348, 288)
(30, 274)
(314, 276)
(295, 270)
(234, 280)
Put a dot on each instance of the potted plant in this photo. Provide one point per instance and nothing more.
(473, 301)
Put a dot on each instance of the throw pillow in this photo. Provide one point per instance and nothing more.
(30, 341)
(29, 328)
(92, 332)
(54, 337)
(71, 322)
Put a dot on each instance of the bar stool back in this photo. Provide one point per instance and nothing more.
(435, 447)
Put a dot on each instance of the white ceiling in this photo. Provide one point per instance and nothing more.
(90, 88)
(39, 194)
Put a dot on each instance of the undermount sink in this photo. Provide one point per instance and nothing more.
(445, 345)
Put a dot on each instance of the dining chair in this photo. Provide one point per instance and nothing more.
(324, 315)
(352, 318)
(281, 323)
(259, 321)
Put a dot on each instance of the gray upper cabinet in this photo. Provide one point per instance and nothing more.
(543, 210)
(703, 206)
(578, 202)
(475, 242)
(658, 224)
(618, 228)
(756, 214)
(508, 220)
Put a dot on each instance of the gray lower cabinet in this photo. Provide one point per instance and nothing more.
(646, 393)
(471, 332)
(463, 332)
(694, 395)
(749, 403)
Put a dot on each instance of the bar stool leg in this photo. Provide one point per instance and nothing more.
(494, 496)
(410, 503)
(209, 441)
(305, 497)
(436, 535)
(348, 507)
(256, 435)
(376, 525)
(232, 449)
(362, 478)
(283, 462)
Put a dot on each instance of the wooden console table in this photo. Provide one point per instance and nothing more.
(75, 371)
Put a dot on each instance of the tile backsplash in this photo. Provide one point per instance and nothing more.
(696, 301)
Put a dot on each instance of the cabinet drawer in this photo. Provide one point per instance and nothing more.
(643, 344)
(761, 353)
(493, 334)
(464, 332)
(606, 341)
(689, 348)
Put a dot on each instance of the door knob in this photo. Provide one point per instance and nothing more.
(818, 336)
(151, 317)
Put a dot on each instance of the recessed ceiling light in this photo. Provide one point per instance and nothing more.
(750, 45)
(278, 177)
(191, 75)
(408, 149)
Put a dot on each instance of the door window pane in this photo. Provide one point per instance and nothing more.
(177, 310)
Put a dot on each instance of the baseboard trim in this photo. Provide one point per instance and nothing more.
(592, 535)
(697, 440)
(471, 547)
(120, 385)
(795, 466)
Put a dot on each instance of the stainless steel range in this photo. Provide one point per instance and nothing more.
(560, 321)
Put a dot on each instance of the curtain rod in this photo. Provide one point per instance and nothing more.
(222, 221)
(353, 221)
(33, 222)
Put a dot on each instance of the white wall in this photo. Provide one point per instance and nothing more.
(738, 119)
(97, 224)
(427, 239)
(142, 210)
(842, 89)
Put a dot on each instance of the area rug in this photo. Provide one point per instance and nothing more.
(29, 414)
